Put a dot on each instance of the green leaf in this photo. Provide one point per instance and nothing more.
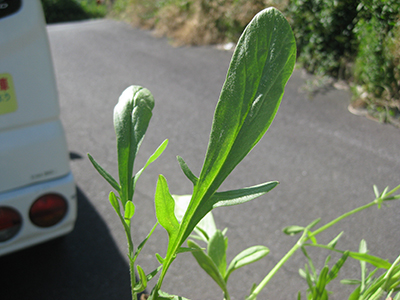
(151, 275)
(373, 260)
(208, 265)
(261, 65)
(249, 100)
(114, 202)
(165, 208)
(151, 159)
(243, 195)
(186, 249)
(246, 257)
(336, 268)
(129, 212)
(321, 283)
(132, 115)
(293, 229)
(333, 243)
(105, 174)
(159, 258)
(142, 284)
(217, 251)
(165, 296)
(189, 174)
(141, 245)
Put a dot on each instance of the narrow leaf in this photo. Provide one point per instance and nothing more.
(293, 229)
(336, 268)
(246, 257)
(186, 249)
(373, 260)
(151, 159)
(333, 243)
(105, 174)
(189, 174)
(240, 196)
(141, 245)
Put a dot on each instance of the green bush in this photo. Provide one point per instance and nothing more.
(352, 39)
(324, 33)
(71, 10)
(377, 66)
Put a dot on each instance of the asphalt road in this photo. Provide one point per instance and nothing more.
(325, 158)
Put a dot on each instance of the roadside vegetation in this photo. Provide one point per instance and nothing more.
(72, 10)
(357, 41)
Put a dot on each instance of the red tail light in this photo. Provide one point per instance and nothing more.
(10, 223)
(48, 210)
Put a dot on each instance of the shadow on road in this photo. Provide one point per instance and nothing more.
(85, 264)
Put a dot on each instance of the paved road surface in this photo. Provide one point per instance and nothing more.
(325, 158)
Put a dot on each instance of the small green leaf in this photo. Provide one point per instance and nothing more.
(165, 296)
(114, 202)
(246, 257)
(208, 265)
(152, 158)
(350, 281)
(293, 229)
(186, 249)
(129, 212)
(142, 284)
(151, 275)
(333, 243)
(159, 258)
(336, 268)
(373, 260)
(165, 208)
(141, 245)
(321, 283)
(217, 251)
(189, 174)
(105, 174)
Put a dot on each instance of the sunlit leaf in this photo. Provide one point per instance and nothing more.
(132, 115)
(105, 174)
(246, 257)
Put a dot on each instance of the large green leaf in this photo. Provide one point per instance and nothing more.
(260, 68)
(132, 115)
(261, 65)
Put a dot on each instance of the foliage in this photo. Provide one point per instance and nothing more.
(71, 10)
(194, 22)
(355, 40)
(259, 70)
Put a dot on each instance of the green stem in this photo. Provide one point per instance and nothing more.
(272, 273)
(330, 224)
(300, 243)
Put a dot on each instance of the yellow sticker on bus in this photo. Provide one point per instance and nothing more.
(8, 100)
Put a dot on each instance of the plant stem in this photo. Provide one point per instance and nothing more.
(330, 224)
(304, 238)
(271, 274)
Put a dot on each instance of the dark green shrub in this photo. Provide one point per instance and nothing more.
(71, 10)
(377, 66)
(324, 33)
